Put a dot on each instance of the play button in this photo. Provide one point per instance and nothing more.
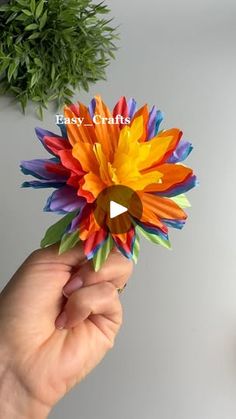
(117, 209)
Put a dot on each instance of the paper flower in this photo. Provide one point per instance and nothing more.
(98, 149)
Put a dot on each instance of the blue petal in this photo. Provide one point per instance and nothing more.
(37, 184)
(174, 223)
(159, 119)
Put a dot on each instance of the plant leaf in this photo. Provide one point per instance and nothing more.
(34, 35)
(31, 27)
(55, 232)
(11, 70)
(68, 241)
(27, 12)
(39, 111)
(32, 6)
(43, 20)
(39, 9)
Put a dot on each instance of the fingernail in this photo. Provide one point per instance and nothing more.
(61, 320)
(75, 284)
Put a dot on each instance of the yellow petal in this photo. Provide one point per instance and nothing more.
(144, 180)
(161, 146)
(103, 164)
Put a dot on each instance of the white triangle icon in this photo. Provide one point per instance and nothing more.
(116, 209)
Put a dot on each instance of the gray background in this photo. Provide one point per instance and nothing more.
(175, 357)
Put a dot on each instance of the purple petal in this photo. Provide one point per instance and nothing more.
(182, 151)
(37, 168)
(64, 199)
(132, 107)
(152, 123)
(84, 211)
(92, 107)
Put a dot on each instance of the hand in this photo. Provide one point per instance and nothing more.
(49, 341)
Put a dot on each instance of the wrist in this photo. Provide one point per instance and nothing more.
(15, 400)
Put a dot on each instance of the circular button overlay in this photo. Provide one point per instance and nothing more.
(116, 206)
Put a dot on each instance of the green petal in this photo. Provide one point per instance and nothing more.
(68, 241)
(181, 200)
(136, 249)
(55, 232)
(102, 254)
(154, 238)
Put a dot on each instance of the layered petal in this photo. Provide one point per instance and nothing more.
(56, 144)
(154, 121)
(181, 152)
(172, 175)
(125, 242)
(132, 107)
(94, 242)
(121, 108)
(161, 147)
(82, 131)
(64, 200)
(45, 169)
(163, 208)
(43, 133)
(107, 133)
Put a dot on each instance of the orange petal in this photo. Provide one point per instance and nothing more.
(145, 114)
(173, 174)
(84, 193)
(88, 227)
(93, 184)
(85, 131)
(83, 152)
(107, 134)
(161, 207)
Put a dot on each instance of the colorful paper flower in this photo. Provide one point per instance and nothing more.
(98, 149)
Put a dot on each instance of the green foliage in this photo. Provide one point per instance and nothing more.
(55, 233)
(102, 254)
(68, 241)
(50, 47)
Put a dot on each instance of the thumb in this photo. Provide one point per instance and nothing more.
(100, 302)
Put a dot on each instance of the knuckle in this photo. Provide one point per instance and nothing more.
(109, 289)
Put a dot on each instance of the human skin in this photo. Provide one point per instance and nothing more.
(58, 318)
